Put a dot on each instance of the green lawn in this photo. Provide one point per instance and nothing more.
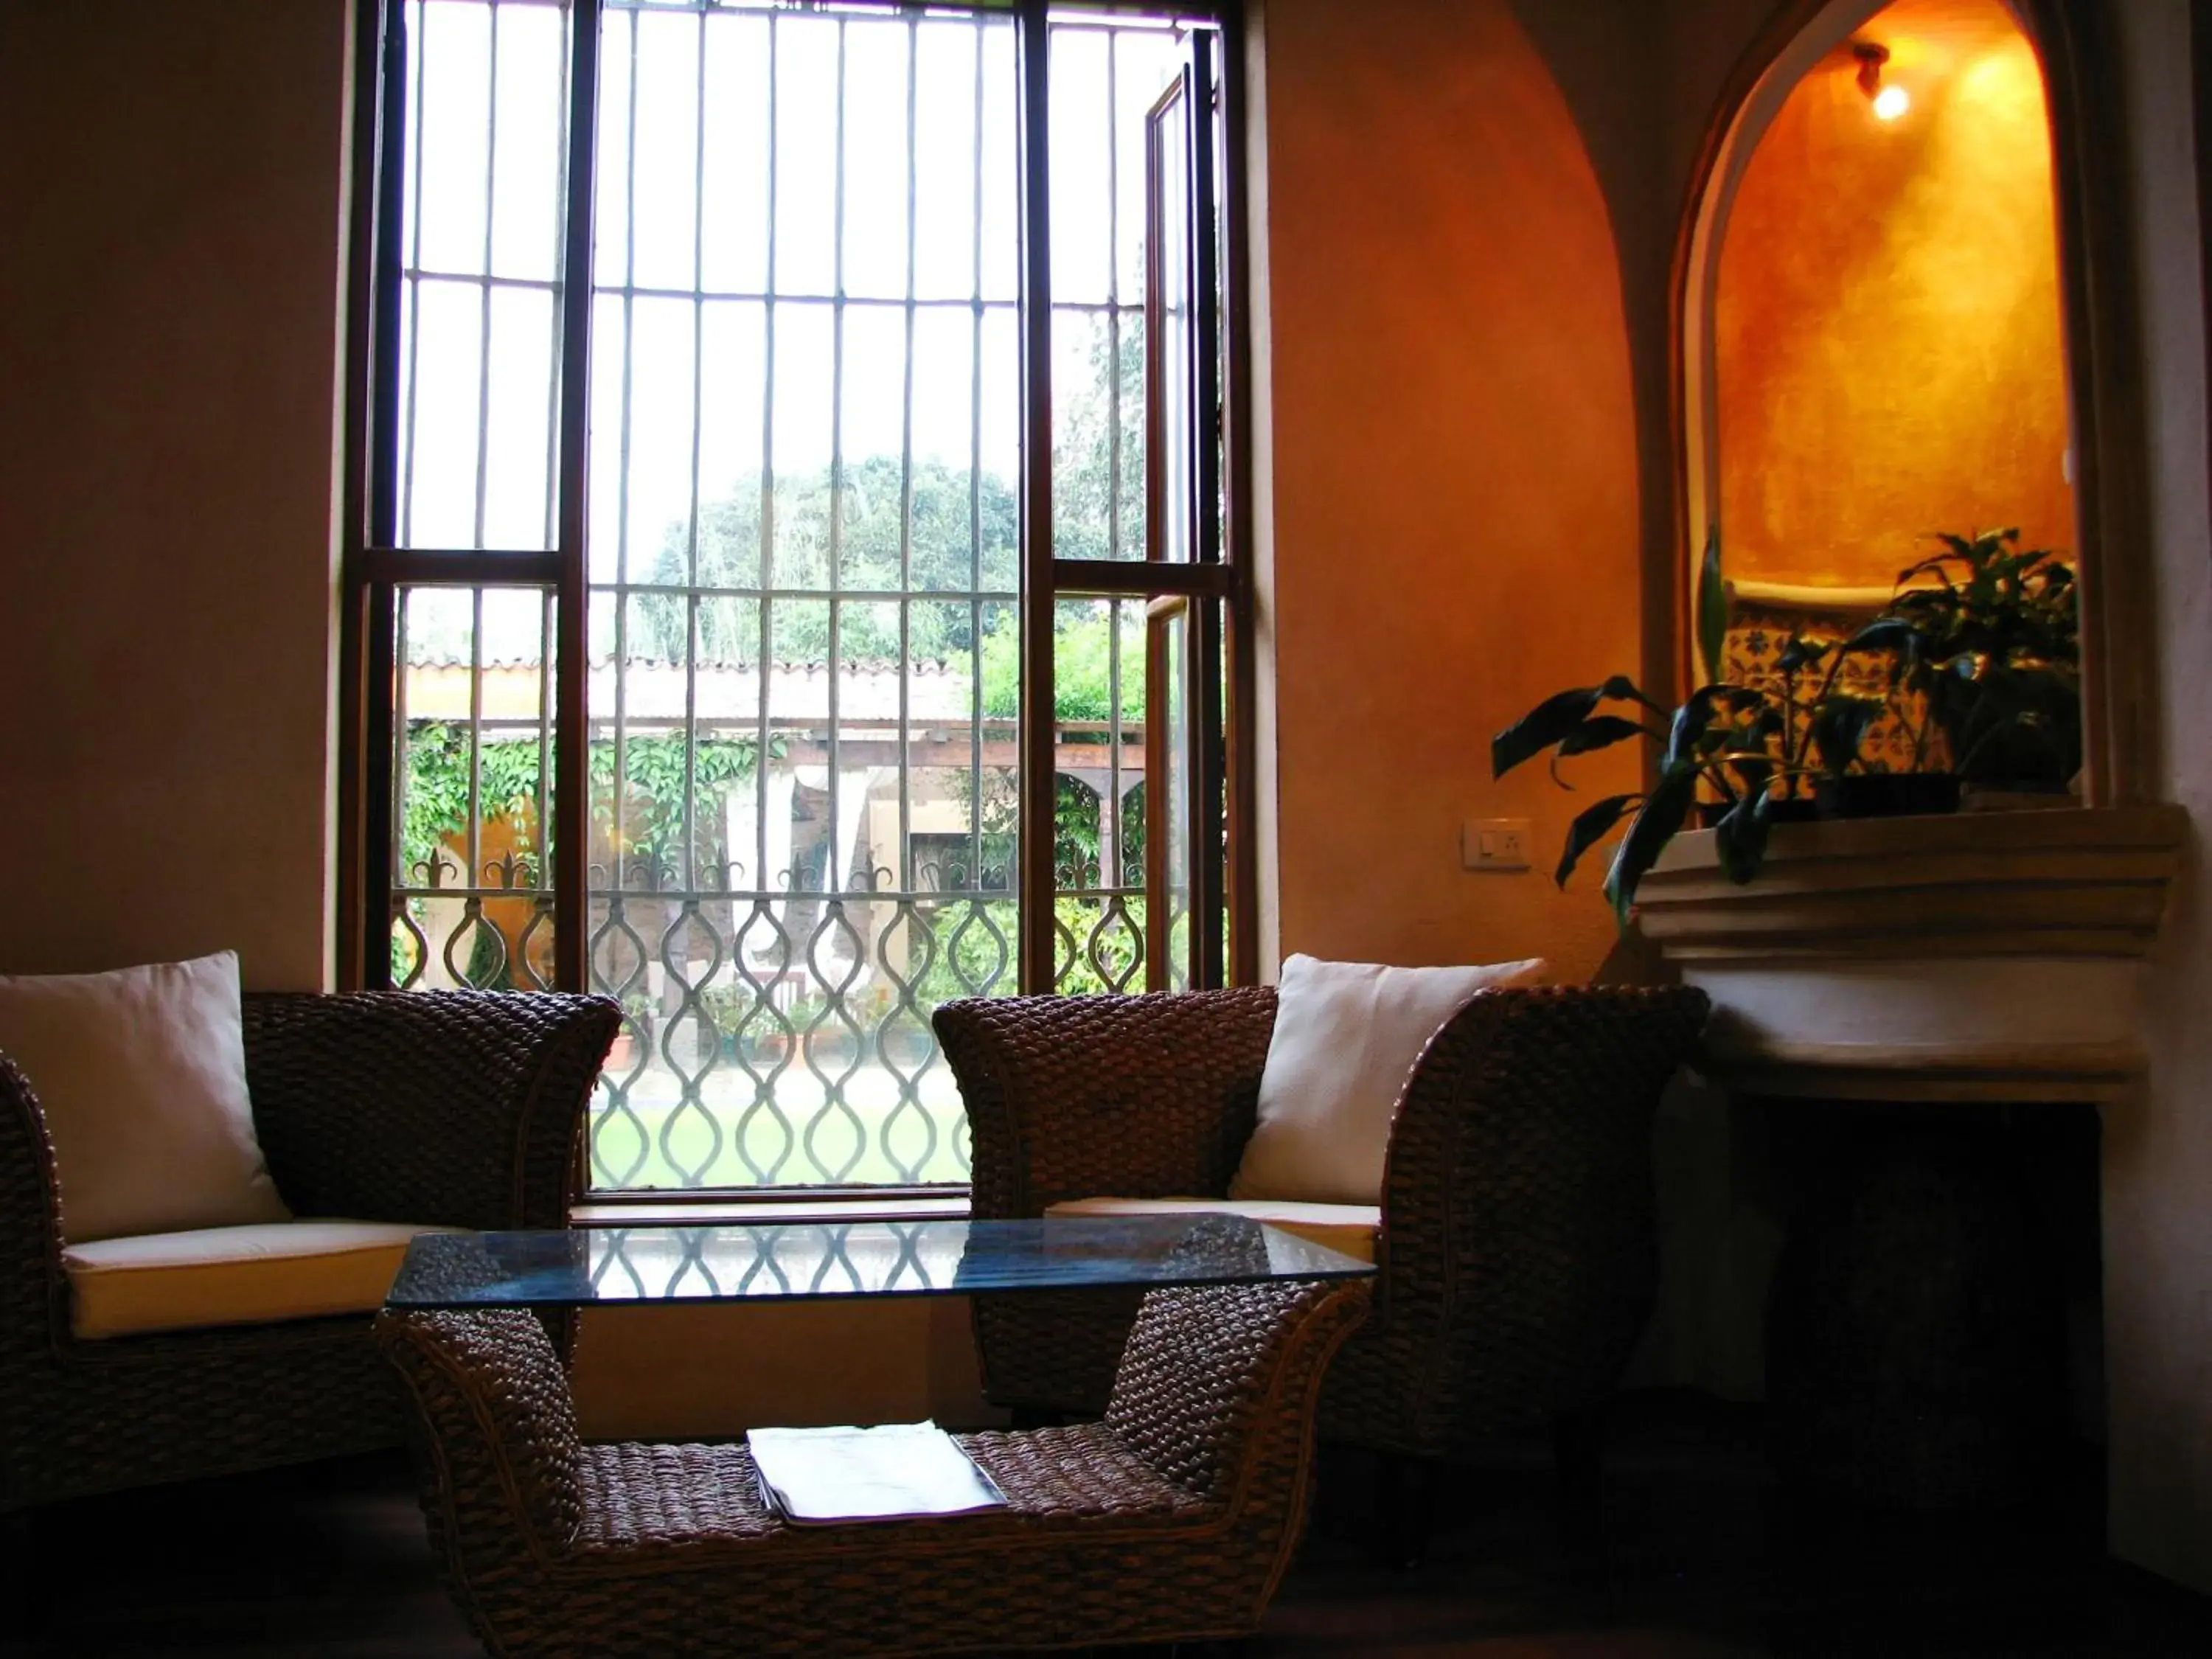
(654, 1139)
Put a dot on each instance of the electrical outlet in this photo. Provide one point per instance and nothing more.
(1499, 844)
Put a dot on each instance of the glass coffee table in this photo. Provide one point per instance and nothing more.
(1171, 1519)
(591, 1267)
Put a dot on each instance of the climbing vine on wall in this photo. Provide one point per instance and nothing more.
(654, 769)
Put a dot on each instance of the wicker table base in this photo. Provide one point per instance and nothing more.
(1170, 1519)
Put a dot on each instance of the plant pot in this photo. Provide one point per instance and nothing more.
(1886, 794)
(2014, 797)
(1791, 809)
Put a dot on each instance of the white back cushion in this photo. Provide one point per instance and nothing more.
(1346, 1035)
(142, 1075)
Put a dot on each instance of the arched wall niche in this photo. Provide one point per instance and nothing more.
(2073, 444)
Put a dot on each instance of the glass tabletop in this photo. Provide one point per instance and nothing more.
(800, 1260)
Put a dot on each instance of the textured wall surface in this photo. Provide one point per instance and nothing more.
(1456, 499)
(1888, 325)
(2158, 1148)
(170, 292)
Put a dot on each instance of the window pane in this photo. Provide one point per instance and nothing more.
(872, 434)
(439, 507)
(944, 551)
(1000, 440)
(1098, 826)
(875, 181)
(479, 292)
(1146, 64)
(610, 253)
(733, 234)
(947, 158)
(522, 429)
(610, 352)
(529, 136)
(733, 386)
(471, 901)
(807, 55)
(655, 482)
(664, 178)
(1082, 163)
(1000, 175)
(1097, 393)
(450, 43)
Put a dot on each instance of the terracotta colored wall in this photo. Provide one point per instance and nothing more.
(1888, 322)
(1455, 510)
(170, 282)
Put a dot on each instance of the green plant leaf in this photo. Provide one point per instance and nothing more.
(1739, 838)
(1621, 689)
(1882, 634)
(1712, 607)
(1691, 730)
(1839, 727)
(1591, 826)
(1601, 731)
(1549, 722)
(1664, 811)
(1801, 653)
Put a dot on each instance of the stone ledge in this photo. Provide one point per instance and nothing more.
(1991, 955)
(2071, 882)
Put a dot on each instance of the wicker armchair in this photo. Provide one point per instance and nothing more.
(1517, 1260)
(461, 1108)
(1170, 1519)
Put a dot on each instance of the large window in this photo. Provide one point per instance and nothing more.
(827, 609)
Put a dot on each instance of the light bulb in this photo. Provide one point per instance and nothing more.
(1890, 102)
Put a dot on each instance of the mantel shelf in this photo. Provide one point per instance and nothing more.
(1974, 955)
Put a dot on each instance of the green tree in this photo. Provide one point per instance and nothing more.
(942, 561)
(1085, 478)
(1084, 666)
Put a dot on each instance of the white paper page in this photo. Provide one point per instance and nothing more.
(890, 1472)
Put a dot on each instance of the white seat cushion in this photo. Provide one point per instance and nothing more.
(233, 1275)
(141, 1076)
(1348, 1227)
(1346, 1035)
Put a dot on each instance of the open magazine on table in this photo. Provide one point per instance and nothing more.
(888, 1472)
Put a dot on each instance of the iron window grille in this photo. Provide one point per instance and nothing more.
(748, 633)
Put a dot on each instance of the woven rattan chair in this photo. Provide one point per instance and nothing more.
(1169, 1520)
(1517, 1260)
(459, 1108)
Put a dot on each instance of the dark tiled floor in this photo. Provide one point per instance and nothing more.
(1708, 1562)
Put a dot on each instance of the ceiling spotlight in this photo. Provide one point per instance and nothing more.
(1889, 102)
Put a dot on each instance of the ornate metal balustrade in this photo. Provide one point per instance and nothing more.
(771, 1037)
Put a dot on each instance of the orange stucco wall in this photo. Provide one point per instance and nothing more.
(1887, 330)
(1455, 503)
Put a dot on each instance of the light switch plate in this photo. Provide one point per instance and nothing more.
(1495, 844)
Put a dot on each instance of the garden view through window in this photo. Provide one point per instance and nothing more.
(802, 567)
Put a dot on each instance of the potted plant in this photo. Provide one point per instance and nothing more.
(1985, 637)
(1739, 747)
(638, 1013)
